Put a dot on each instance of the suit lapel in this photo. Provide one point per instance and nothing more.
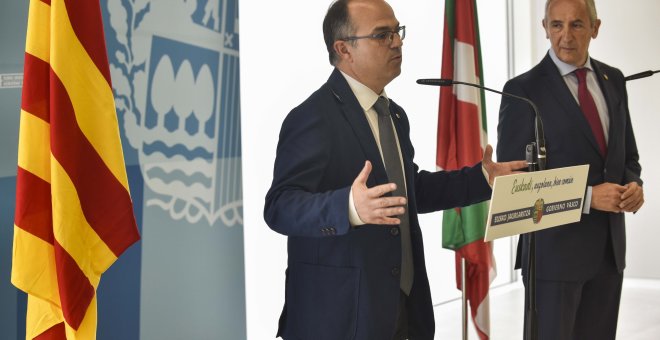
(356, 118)
(612, 99)
(570, 107)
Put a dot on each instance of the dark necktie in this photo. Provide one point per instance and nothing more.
(392, 161)
(590, 111)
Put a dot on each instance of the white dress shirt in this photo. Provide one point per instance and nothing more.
(367, 98)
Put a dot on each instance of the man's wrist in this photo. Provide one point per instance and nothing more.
(353, 217)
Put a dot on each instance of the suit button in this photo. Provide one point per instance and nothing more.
(332, 230)
(394, 231)
(395, 271)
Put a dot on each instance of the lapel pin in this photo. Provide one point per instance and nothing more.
(606, 77)
(397, 115)
(337, 96)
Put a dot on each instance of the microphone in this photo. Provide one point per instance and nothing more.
(639, 75)
(435, 82)
(535, 150)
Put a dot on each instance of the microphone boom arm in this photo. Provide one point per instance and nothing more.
(538, 126)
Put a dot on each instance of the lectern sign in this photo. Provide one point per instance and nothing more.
(532, 201)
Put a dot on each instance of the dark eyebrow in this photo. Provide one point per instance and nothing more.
(386, 28)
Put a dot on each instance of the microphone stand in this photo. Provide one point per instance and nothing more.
(531, 317)
(535, 155)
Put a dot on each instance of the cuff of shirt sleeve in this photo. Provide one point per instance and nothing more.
(353, 217)
(483, 170)
(586, 208)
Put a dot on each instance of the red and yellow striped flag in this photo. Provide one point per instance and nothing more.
(74, 214)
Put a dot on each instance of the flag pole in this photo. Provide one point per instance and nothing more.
(464, 302)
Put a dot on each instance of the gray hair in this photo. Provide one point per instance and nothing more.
(591, 8)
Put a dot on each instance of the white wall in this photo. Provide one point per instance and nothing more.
(282, 59)
(629, 39)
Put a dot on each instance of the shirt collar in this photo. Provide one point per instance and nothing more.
(564, 68)
(365, 96)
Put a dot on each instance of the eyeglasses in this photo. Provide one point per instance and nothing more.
(384, 38)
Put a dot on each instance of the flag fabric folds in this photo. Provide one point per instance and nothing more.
(74, 214)
(461, 140)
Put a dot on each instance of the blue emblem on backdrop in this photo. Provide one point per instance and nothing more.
(175, 75)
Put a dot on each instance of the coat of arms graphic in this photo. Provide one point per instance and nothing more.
(175, 74)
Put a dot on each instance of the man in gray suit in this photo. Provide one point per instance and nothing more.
(583, 104)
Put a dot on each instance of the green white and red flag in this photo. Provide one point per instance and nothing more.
(461, 140)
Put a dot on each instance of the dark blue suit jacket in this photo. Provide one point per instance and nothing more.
(343, 282)
(574, 251)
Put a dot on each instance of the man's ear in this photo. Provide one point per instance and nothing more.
(342, 49)
(545, 28)
(594, 34)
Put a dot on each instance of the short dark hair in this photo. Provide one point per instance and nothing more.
(336, 25)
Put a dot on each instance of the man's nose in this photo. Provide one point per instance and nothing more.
(566, 34)
(396, 41)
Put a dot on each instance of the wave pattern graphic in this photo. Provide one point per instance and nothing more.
(179, 176)
(177, 149)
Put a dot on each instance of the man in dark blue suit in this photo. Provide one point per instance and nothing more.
(356, 260)
(583, 104)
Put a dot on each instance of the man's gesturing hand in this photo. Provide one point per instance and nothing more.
(499, 169)
(371, 206)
